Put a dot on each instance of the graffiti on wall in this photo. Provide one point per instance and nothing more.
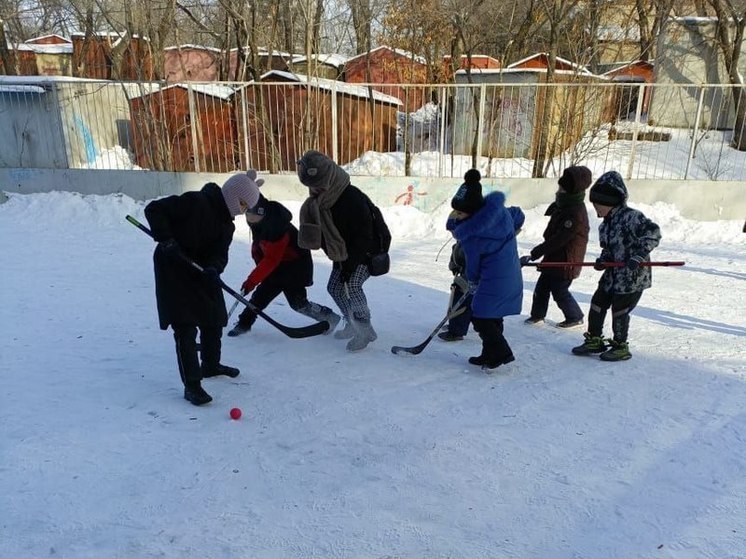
(407, 198)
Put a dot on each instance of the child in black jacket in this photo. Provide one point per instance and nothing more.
(282, 267)
(626, 236)
(565, 240)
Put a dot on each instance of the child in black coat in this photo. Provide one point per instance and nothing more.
(281, 267)
(565, 240)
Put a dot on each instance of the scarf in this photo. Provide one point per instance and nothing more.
(316, 222)
(566, 200)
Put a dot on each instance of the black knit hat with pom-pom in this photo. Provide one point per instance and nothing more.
(468, 197)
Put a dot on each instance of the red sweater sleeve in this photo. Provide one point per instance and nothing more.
(273, 253)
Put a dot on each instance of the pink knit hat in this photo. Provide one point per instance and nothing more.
(241, 188)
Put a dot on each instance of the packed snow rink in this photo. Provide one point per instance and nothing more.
(365, 455)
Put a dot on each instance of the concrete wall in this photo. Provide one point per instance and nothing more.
(698, 200)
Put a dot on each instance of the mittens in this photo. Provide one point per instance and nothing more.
(634, 262)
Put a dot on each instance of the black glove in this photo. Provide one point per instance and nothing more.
(171, 249)
(599, 265)
(525, 260)
(211, 275)
(634, 262)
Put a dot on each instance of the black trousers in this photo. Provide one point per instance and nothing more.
(494, 345)
(185, 337)
(559, 288)
(266, 292)
(620, 304)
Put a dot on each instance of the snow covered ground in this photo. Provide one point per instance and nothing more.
(366, 455)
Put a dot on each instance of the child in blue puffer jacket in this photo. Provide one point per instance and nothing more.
(486, 230)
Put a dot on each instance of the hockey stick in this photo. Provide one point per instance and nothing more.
(233, 307)
(302, 332)
(605, 264)
(456, 310)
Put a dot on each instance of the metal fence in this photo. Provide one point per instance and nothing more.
(506, 130)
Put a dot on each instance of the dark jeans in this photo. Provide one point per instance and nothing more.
(185, 337)
(494, 345)
(459, 325)
(621, 305)
(265, 293)
(559, 288)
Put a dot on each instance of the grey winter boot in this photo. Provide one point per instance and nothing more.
(321, 313)
(364, 334)
(345, 333)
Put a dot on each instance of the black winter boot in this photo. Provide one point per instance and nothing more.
(238, 329)
(195, 394)
(220, 370)
(479, 359)
(491, 364)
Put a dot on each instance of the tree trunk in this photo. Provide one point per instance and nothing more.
(730, 47)
(361, 22)
(646, 40)
(6, 57)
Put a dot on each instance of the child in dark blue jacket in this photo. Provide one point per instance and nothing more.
(486, 230)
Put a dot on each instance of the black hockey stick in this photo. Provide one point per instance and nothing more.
(302, 332)
(455, 310)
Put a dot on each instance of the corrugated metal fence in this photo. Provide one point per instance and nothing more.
(519, 130)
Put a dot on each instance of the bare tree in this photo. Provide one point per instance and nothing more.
(557, 13)
(362, 20)
(729, 33)
(6, 57)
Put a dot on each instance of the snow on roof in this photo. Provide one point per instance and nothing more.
(400, 52)
(261, 51)
(220, 91)
(59, 48)
(333, 85)
(212, 89)
(695, 20)
(117, 35)
(21, 89)
(466, 56)
(194, 47)
(43, 80)
(488, 71)
(578, 68)
(50, 35)
(332, 59)
(616, 33)
(623, 65)
(98, 34)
